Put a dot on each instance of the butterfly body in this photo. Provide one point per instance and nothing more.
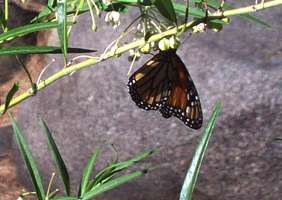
(163, 83)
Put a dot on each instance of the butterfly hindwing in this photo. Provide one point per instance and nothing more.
(184, 102)
(163, 83)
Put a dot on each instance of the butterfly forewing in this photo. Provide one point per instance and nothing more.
(148, 86)
(163, 83)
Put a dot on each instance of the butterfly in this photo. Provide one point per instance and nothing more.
(163, 83)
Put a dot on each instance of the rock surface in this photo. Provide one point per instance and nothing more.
(241, 66)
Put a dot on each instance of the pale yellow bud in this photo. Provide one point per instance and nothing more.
(174, 42)
(163, 44)
(146, 48)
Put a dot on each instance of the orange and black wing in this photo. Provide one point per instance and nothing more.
(164, 84)
(183, 101)
(149, 87)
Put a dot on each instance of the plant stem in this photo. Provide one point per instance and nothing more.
(6, 14)
(92, 61)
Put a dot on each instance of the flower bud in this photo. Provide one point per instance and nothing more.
(146, 48)
(174, 42)
(200, 28)
(113, 18)
(226, 20)
(163, 44)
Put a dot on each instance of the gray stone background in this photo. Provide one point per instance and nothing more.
(240, 66)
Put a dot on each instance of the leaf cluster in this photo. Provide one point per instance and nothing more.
(92, 183)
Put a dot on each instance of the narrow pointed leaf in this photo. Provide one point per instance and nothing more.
(24, 30)
(112, 184)
(29, 161)
(166, 9)
(117, 167)
(194, 169)
(180, 9)
(48, 13)
(57, 157)
(52, 3)
(87, 172)
(62, 27)
(19, 50)
(252, 18)
(10, 95)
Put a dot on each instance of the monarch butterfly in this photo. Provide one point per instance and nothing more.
(163, 83)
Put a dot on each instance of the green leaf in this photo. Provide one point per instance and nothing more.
(193, 12)
(194, 169)
(117, 167)
(252, 18)
(24, 30)
(112, 184)
(59, 162)
(10, 95)
(62, 28)
(29, 161)
(48, 13)
(18, 50)
(52, 3)
(102, 176)
(87, 172)
(166, 9)
(138, 158)
(45, 15)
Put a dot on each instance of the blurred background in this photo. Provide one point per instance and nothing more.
(241, 66)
